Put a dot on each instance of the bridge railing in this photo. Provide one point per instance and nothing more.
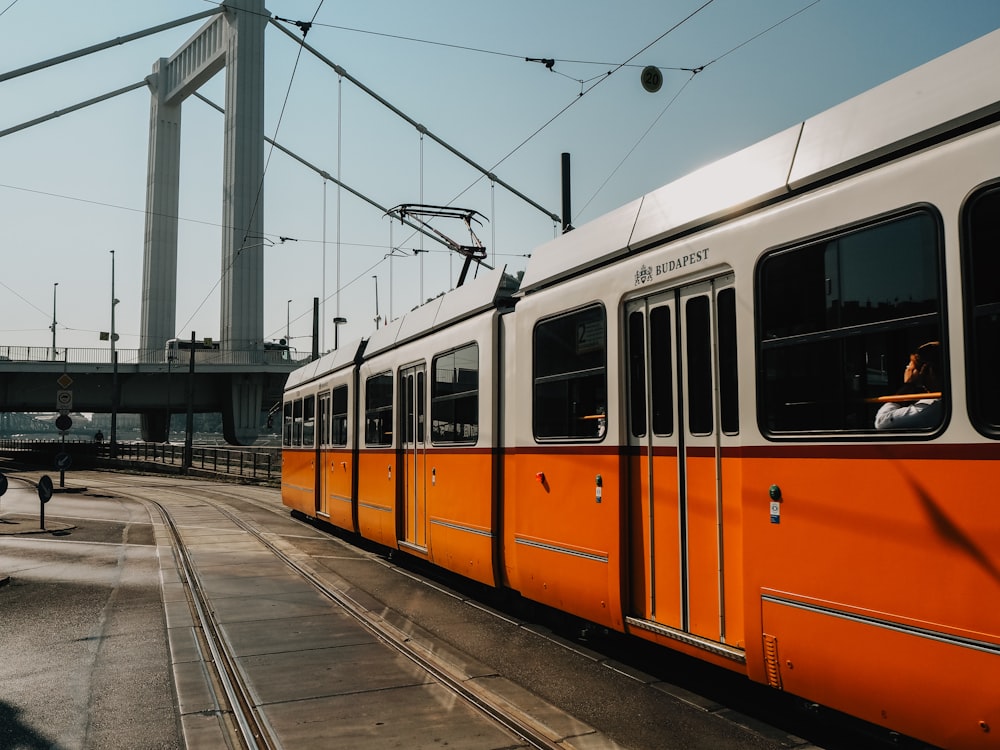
(257, 463)
(149, 356)
(262, 463)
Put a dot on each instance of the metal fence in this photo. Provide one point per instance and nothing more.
(181, 358)
(253, 463)
(260, 464)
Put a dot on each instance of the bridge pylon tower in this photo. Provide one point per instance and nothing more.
(233, 40)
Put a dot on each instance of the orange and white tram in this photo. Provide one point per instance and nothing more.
(670, 427)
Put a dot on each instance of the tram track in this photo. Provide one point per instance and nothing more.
(248, 728)
(229, 685)
(395, 618)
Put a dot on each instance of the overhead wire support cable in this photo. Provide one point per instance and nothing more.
(324, 174)
(420, 128)
(116, 42)
(72, 108)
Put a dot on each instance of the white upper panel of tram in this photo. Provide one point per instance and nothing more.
(940, 96)
(482, 293)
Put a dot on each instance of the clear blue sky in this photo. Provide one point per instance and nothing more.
(73, 189)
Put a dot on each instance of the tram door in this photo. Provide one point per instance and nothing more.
(681, 354)
(323, 462)
(414, 456)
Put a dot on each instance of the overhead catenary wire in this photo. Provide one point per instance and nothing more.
(585, 91)
(694, 71)
(420, 128)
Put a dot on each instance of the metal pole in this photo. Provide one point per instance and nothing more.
(337, 323)
(189, 430)
(54, 287)
(288, 323)
(315, 351)
(566, 226)
(114, 366)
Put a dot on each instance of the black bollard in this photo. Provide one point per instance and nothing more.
(44, 495)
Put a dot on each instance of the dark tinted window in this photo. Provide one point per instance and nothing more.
(661, 365)
(570, 380)
(308, 421)
(297, 423)
(728, 372)
(982, 290)
(378, 410)
(455, 396)
(637, 372)
(338, 421)
(286, 424)
(839, 318)
(699, 365)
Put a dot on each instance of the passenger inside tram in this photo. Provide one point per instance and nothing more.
(917, 405)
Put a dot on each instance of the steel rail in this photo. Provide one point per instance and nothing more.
(480, 700)
(251, 730)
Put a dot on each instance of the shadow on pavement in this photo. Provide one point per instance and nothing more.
(15, 735)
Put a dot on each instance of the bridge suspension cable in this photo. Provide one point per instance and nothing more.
(117, 41)
(420, 128)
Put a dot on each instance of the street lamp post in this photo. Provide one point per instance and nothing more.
(337, 323)
(114, 366)
(54, 287)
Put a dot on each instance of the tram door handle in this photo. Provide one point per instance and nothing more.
(390, 471)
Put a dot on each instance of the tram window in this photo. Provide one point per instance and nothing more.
(338, 419)
(308, 421)
(637, 373)
(839, 319)
(421, 409)
(455, 396)
(661, 370)
(728, 370)
(570, 376)
(378, 410)
(982, 299)
(406, 406)
(286, 425)
(699, 365)
(297, 423)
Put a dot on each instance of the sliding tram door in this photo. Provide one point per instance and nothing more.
(681, 401)
(413, 444)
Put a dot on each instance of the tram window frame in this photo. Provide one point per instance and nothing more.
(379, 410)
(822, 356)
(661, 366)
(658, 348)
(729, 375)
(698, 360)
(338, 416)
(570, 381)
(297, 423)
(286, 424)
(635, 327)
(450, 404)
(980, 264)
(309, 422)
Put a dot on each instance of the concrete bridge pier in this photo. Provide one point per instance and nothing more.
(154, 426)
(241, 412)
(242, 409)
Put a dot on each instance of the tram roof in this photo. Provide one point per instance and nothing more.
(482, 293)
(950, 92)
